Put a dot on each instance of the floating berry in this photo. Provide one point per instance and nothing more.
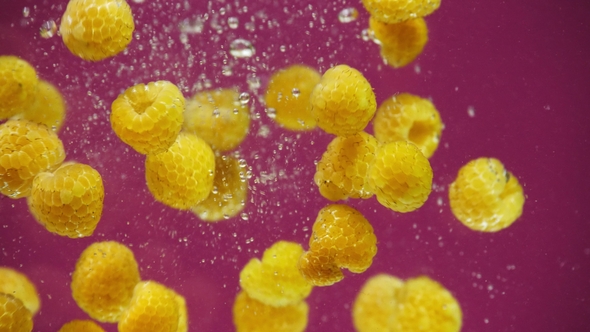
(17, 284)
(48, 108)
(14, 316)
(395, 11)
(251, 315)
(400, 42)
(18, 85)
(153, 308)
(81, 325)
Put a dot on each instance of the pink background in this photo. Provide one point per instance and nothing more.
(522, 65)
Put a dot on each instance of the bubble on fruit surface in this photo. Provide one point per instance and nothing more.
(241, 48)
(244, 98)
(48, 29)
(348, 15)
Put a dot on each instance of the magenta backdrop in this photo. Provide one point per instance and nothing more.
(523, 66)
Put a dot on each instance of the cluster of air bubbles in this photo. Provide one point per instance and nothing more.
(348, 15)
(241, 48)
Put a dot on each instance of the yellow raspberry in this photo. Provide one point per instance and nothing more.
(275, 280)
(182, 312)
(153, 308)
(343, 102)
(341, 238)
(182, 176)
(218, 117)
(102, 284)
(17, 284)
(14, 316)
(26, 149)
(485, 196)
(48, 108)
(342, 171)
(400, 42)
(288, 93)
(386, 303)
(406, 117)
(81, 325)
(148, 117)
(400, 177)
(18, 85)
(97, 29)
(229, 194)
(69, 201)
(395, 11)
(251, 315)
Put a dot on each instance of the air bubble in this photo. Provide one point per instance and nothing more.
(348, 15)
(271, 112)
(26, 11)
(233, 22)
(241, 48)
(244, 98)
(295, 92)
(471, 111)
(48, 29)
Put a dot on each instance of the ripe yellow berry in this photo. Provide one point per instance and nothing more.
(182, 176)
(400, 177)
(251, 315)
(275, 280)
(288, 95)
(81, 325)
(386, 303)
(400, 42)
(154, 307)
(341, 238)
(48, 108)
(148, 117)
(97, 29)
(406, 117)
(102, 284)
(14, 316)
(182, 313)
(342, 171)
(343, 102)
(485, 196)
(69, 201)
(26, 149)
(18, 84)
(229, 194)
(395, 11)
(218, 117)
(18, 285)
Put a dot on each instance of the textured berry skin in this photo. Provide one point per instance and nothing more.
(292, 110)
(17, 284)
(182, 176)
(229, 194)
(102, 284)
(218, 117)
(341, 238)
(275, 280)
(48, 108)
(251, 315)
(400, 177)
(14, 316)
(153, 308)
(386, 303)
(69, 201)
(343, 102)
(406, 117)
(342, 171)
(18, 84)
(485, 196)
(395, 11)
(148, 117)
(26, 149)
(97, 29)
(401, 42)
(182, 313)
(81, 326)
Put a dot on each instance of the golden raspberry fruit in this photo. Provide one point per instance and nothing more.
(69, 201)
(386, 303)
(148, 117)
(218, 117)
(81, 326)
(182, 312)
(48, 108)
(342, 171)
(182, 176)
(395, 11)
(251, 315)
(102, 284)
(14, 316)
(288, 93)
(18, 285)
(400, 177)
(18, 85)
(275, 280)
(400, 42)
(97, 29)
(485, 196)
(26, 149)
(153, 308)
(343, 102)
(341, 238)
(229, 194)
(406, 117)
